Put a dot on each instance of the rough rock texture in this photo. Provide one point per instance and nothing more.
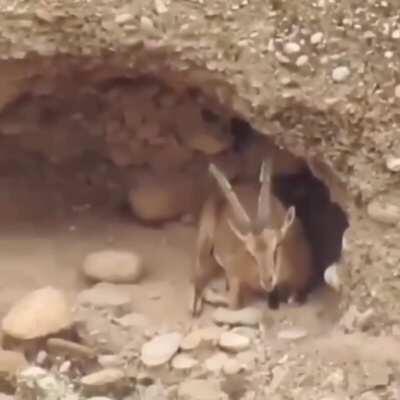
(333, 92)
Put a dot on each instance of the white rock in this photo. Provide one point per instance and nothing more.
(384, 212)
(195, 338)
(231, 341)
(393, 163)
(41, 357)
(216, 362)
(396, 34)
(292, 334)
(246, 316)
(183, 362)
(201, 389)
(123, 18)
(107, 376)
(397, 91)
(331, 277)
(291, 48)
(105, 295)
(39, 313)
(316, 38)
(160, 6)
(302, 60)
(146, 24)
(340, 74)
(113, 266)
(109, 360)
(160, 349)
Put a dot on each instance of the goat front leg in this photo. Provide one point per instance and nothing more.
(234, 293)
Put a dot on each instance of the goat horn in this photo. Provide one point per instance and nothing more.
(264, 198)
(227, 190)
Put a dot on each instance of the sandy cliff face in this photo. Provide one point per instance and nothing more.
(320, 78)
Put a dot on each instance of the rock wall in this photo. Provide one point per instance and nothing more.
(320, 78)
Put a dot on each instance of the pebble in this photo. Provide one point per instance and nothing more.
(292, 334)
(133, 320)
(41, 357)
(234, 342)
(216, 362)
(246, 316)
(331, 277)
(232, 367)
(123, 18)
(193, 339)
(316, 38)
(107, 376)
(393, 163)
(201, 389)
(291, 48)
(340, 74)
(106, 295)
(183, 362)
(109, 360)
(302, 60)
(11, 362)
(38, 314)
(146, 24)
(113, 266)
(160, 7)
(160, 349)
(384, 212)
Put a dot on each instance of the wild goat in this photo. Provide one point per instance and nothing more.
(266, 252)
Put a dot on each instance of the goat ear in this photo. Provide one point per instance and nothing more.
(241, 236)
(288, 221)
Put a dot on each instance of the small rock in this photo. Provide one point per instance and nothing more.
(105, 295)
(113, 266)
(216, 362)
(378, 374)
(232, 367)
(123, 18)
(384, 212)
(291, 48)
(233, 342)
(393, 163)
(396, 34)
(331, 277)
(41, 357)
(39, 313)
(160, 349)
(246, 316)
(183, 362)
(302, 60)
(215, 298)
(193, 340)
(340, 74)
(109, 360)
(292, 334)
(65, 367)
(67, 348)
(316, 38)
(146, 24)
(104, 377)
(11, 362)
(160, 6)
(201, 389)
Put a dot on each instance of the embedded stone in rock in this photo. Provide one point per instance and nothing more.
(340, 74)
(292, 334)
(160, 349)
(39, 313)
(183, 362)
(201, 389)
(11, 362)
(105, 295)
(246, 316)
(104, 377)
(113, 266)
(231, 341)
(384, 211)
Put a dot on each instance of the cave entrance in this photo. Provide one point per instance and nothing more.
(122, 163)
